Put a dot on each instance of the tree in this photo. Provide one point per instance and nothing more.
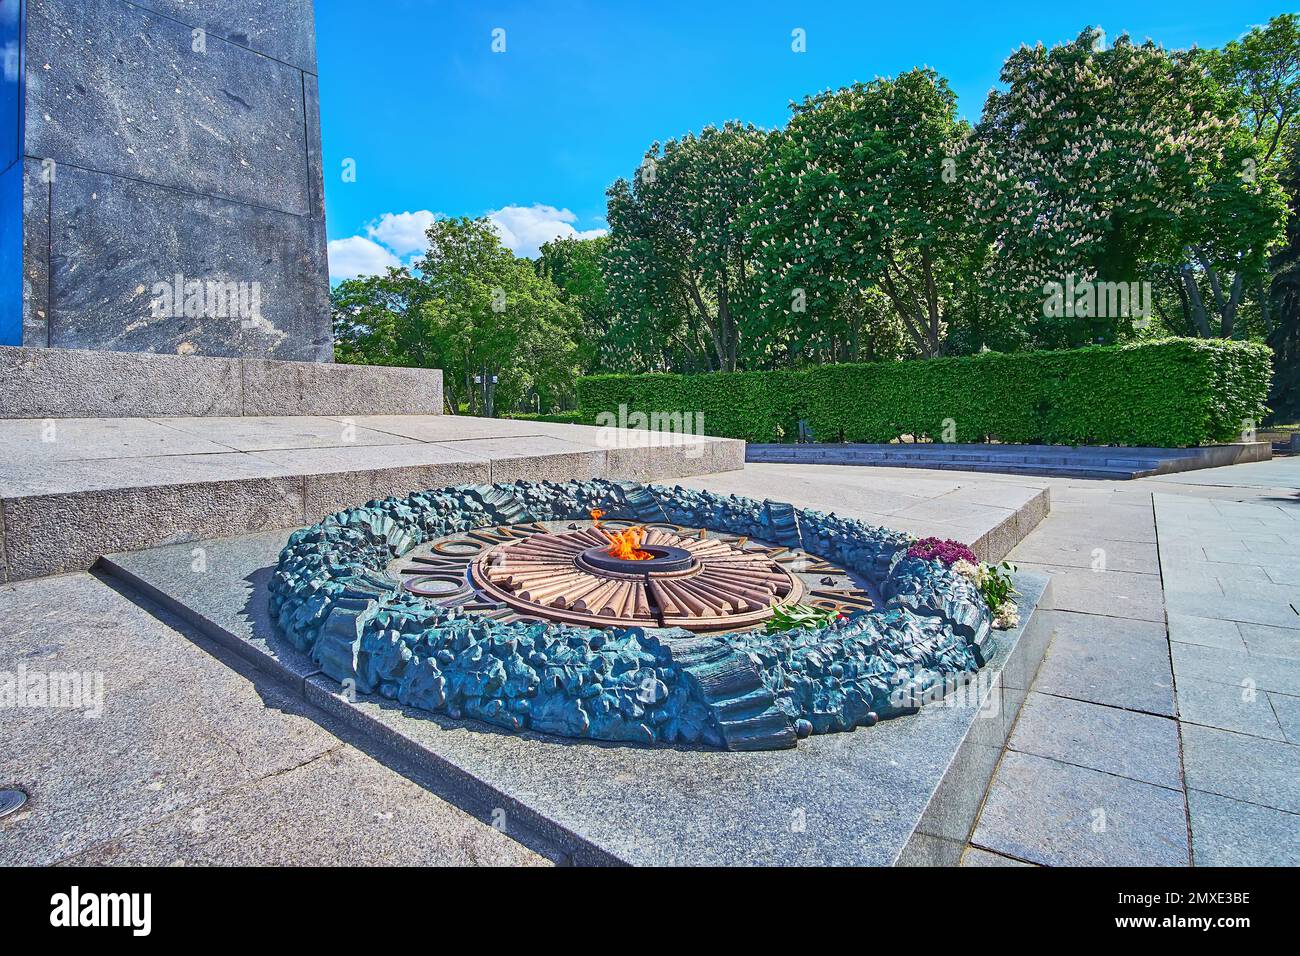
(1105, 165)
(1262, 70)
(861, 198)
(678, 269)
(577, 268)
(470, 308)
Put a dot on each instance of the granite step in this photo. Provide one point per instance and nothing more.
(1098, 462)
(74, 489)
(51, 383)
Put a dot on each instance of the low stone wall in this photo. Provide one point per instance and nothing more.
(72, 383)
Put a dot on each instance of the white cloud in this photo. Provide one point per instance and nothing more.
(523, 229)
(403, 232)
(395, 236)
(357, 256)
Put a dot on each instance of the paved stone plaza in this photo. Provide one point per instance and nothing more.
(1162, 729)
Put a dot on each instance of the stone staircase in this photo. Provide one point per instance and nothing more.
(104, 452)
(1064, 461)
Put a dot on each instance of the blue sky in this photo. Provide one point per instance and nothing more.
(437, 123)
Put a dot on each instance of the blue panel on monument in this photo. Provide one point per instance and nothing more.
(11, 255)
(10, 76)
(11, 186)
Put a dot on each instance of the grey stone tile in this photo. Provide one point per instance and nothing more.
(177, 727)
(323, 388)
(51, 441)
(1113, 593)
(329, 491)
(1107, 660)
(36, 255)
(974, 856)
(30, 477)
(533, 457)
(342, 808)
(1237, 668)
(441, 428)
(150, 230)
(1206, 631)
(1138, 746)
(1265, 772)
(282, 29)
(51, 383)
(1281, 574)
(1231, 833)
(247, 433)
(47, 534)
(1115, 524)
(1226, 607)
(675, 460)
(1227, 707)
(1057, 814)
(134, 77)
(1051, 544)
(1274, 641)
(1287, 710)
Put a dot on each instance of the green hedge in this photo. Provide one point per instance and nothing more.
(1168, 393)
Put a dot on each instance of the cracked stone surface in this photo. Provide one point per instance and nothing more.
(190, 761)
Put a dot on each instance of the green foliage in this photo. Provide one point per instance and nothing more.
(1168, 393)
(1116, 164)
(861, 196)
(758, 406)
(995, 584)
(678, 269)
(789, 616)
(472, 308)
(577, 267)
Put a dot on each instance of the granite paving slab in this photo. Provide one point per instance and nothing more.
(1273, 641)
(1206, 631)
(1112, 593)
(1287, 710)
(974, 856)
(1227, 707)
(876, 796)
(1121, 742)
(1057, 814)
(253, 433)
(992, 515)
(1264, 772)
(339, 809)
(1107, 660)
(1236, 668)
(1232, 833)
(175, 756)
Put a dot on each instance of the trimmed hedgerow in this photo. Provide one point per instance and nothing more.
(757, 406)
(1168, 393)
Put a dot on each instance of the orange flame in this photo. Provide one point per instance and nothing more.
(626, 545)
(596, 515)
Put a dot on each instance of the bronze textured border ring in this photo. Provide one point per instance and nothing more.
(517, 605)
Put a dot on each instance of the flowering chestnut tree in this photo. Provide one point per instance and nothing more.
(861, 196)
(677, 263)
(1107, 163)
